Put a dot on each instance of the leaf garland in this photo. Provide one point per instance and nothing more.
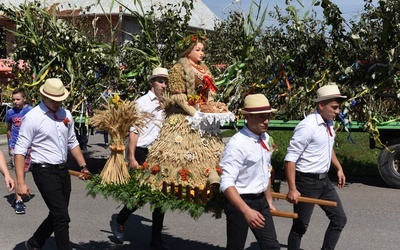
(135, 193)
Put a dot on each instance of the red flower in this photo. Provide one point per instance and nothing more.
(219, 170)
(184, 173)
(66, 121)
(155, 169)
(145, 165)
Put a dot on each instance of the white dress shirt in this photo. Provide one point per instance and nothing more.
(311, 145)
(50, 139)
(245, 164)
(148, 134)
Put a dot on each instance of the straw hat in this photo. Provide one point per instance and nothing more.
(328, 92)
(256, 104)
(159, 72)
(54, 89)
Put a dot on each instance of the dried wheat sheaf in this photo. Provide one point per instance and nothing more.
(116, 120)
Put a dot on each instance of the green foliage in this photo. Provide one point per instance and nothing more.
(287, 61)
(235, 43)
(136, 193)
(156, 43)
(53, 47)
(3, 128)
(299, 53)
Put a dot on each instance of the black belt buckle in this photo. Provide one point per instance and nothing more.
(62, 166)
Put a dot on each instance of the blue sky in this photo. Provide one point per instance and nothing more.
(221, 8)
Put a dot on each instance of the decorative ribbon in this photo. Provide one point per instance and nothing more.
(263, 144)
(208, 86)
(329, 129)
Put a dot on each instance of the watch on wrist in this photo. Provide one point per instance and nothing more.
(83, 166)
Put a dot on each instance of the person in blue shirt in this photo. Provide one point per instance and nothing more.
(13, 121)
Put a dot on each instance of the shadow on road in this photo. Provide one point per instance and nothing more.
(137, 236)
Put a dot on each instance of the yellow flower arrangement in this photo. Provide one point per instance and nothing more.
(116, 100)
(193, 99)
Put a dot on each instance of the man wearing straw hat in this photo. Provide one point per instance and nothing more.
(49, 130)
(139, 142)
(245, 178)
(309, 157)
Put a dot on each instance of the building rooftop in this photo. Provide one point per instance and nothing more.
(202, 16)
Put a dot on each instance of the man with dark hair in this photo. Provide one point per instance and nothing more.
(49, 130)
(309, 157)
(245, 178)
(138, 151)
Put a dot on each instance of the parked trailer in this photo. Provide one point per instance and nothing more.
(388, 161)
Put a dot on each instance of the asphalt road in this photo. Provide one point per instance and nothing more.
(371, 206)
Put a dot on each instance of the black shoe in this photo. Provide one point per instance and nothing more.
(117, 229)
(159, 244)
(29, 247)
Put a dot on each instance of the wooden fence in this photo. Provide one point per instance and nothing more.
(196, 195)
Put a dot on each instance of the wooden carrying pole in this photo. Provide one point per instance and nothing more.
(284, 214)
(307, 200)
(77, 174)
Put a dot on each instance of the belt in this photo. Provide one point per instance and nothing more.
(142, 149)
(46, 165)
(252, 196)
(314, 176)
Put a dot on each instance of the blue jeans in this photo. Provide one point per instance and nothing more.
(237, 227)
(55, 187)
(320, 189)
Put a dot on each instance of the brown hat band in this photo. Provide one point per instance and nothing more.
(257, 109)
(50, 94)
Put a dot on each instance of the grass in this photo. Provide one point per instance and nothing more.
(3, 128)
(357, 158)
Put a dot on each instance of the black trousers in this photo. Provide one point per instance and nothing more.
(157, 215)
(81, 132)
(237, 227)
(320, 189)
(54, 185)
